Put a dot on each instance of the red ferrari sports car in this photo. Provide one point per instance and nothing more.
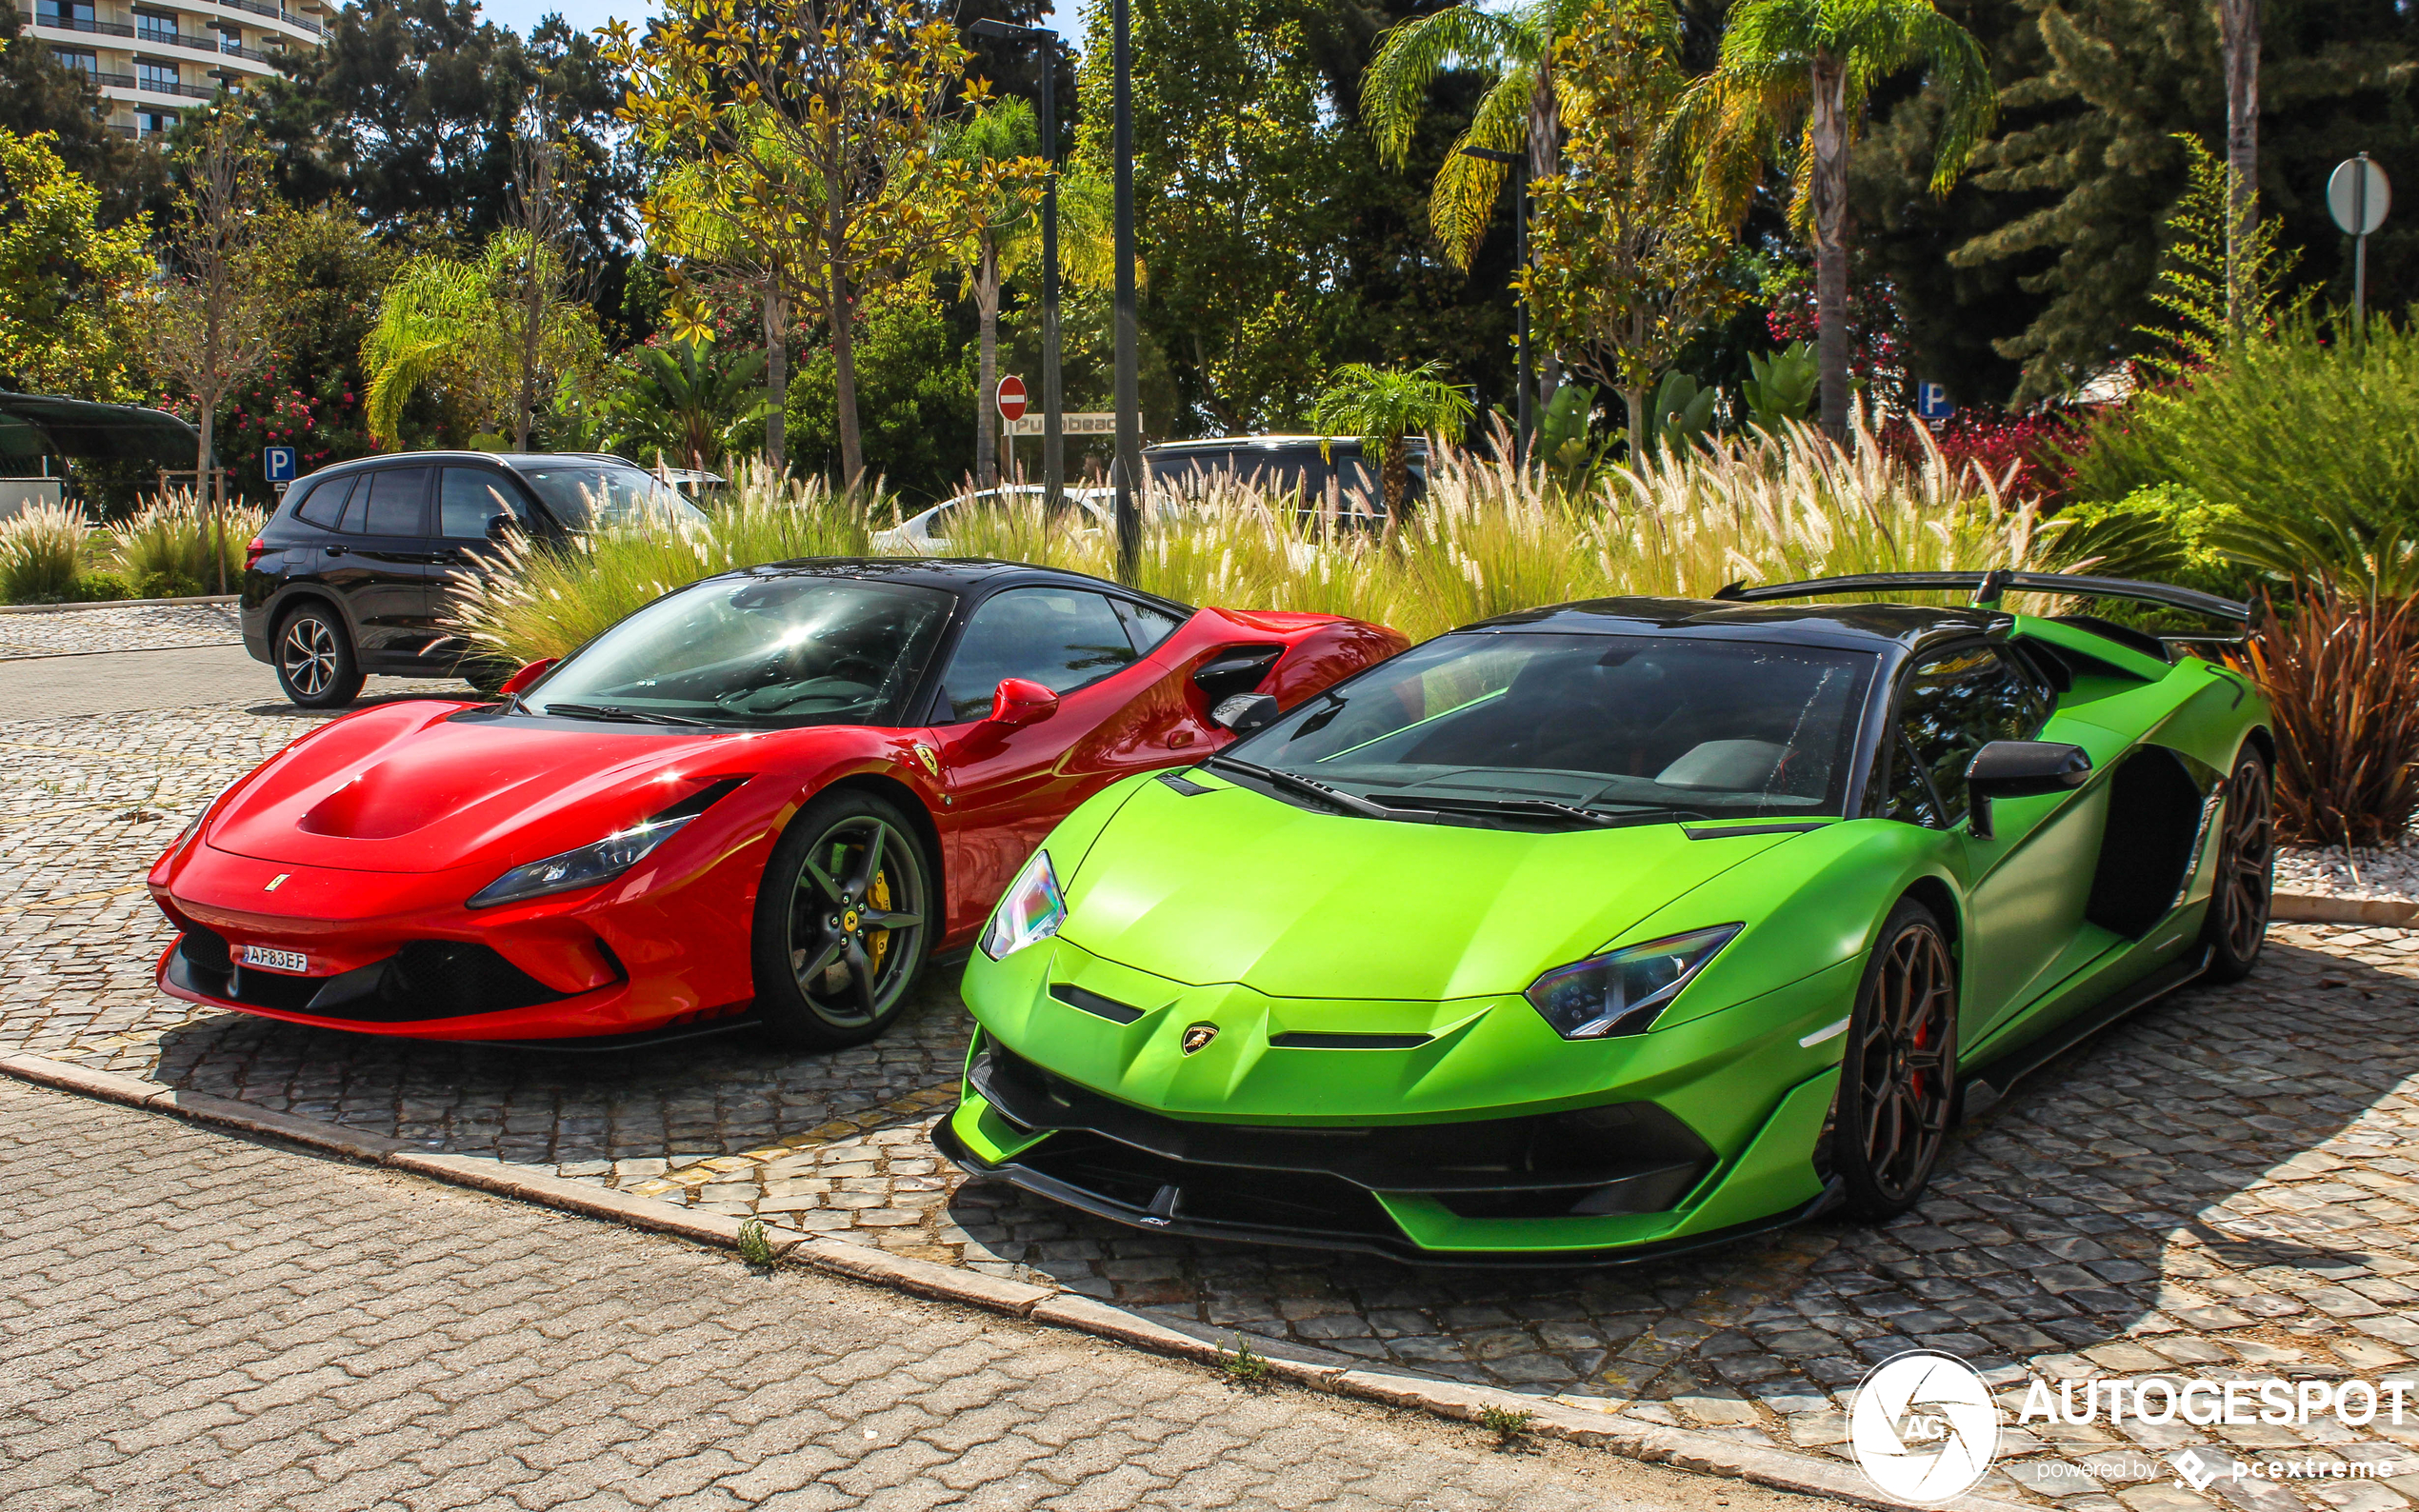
(775, 791)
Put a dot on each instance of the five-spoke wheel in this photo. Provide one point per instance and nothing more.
(843, 923)
(314, 659)
(1898, 1074)
(2237, 922)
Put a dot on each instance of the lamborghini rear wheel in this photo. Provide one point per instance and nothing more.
(1898, 1074)
(2237, 922)
(844, 922)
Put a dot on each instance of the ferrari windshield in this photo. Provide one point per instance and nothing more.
(763, 652)
(1587, 728)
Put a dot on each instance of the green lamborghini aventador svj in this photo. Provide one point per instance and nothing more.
(1600, 932)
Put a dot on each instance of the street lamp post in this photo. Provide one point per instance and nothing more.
(1046, 112)
(1526, 381)
(1127, 472)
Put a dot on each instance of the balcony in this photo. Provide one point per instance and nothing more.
(155, 37)
(180, 91)
(274, 14)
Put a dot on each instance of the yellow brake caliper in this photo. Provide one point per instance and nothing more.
(879, 895)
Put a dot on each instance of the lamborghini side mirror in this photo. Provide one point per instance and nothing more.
(2021, 768)
(1021, 700)
(1245, 712)
(522, 681)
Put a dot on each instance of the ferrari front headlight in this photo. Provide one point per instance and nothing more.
(1624, 991)
(584, 867)
(1029, 912)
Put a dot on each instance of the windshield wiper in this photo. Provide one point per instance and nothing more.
(1531, 808)
(627, 716)
(1307, 786)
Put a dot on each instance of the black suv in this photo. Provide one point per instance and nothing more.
(349, 577)
(1299, 464)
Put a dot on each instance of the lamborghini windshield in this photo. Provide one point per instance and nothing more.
(763, 652)
(1579, 729)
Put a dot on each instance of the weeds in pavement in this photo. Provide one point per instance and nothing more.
(1507, 1423)
(754, 1247)
(1245, 1365)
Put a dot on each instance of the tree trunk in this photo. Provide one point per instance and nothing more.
(844, 376)
(987, 306)
(841, 303)
(776, 379)
(2239, 20)
(1828, 197)
(1642, 440)
(1545, 162)
(201, 480)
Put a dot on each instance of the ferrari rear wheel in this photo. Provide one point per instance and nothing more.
(2237, 922)
(844, 922)
(314, 658)
(1898, 1075)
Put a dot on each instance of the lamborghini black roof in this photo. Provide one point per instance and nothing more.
(1873, 626)
(959, 575)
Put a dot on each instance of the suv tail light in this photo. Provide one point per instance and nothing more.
(253, 552)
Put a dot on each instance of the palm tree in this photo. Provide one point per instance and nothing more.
(467, 326)
(1010, 240)
(686, 401)
(1380, 408)
(1792, 86)
(1516, 44)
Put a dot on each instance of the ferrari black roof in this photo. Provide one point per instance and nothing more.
(949, 574)
(1870, 624)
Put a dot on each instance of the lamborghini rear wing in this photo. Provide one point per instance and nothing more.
(1988, 586)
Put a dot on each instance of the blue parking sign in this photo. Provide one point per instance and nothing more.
(1931, 401)
(277, 463)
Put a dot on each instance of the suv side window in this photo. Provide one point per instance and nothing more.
(324, 506)
(1957, 703)
(469, 499)
(391, 500)
(1061, 638)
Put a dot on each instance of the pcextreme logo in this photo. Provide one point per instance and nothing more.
(1923, 1426)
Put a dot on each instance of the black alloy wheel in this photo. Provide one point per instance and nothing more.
(2240, 894)
(314, 659)
(844, 922)
(1898, 1074)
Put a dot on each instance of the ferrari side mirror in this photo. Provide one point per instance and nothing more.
(522, 681)
(1245, 712)
(2021, 768)
(1021, 700)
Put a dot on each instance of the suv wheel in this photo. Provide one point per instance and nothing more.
(315, 663)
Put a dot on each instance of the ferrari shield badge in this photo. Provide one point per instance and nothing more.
(930, 759)
(1197, 1038)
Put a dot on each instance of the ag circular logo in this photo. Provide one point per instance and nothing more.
(1923, 1426)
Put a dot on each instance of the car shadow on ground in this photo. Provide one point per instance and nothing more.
(2218, 1173)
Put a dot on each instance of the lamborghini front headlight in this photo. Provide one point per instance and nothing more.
(1624, 991)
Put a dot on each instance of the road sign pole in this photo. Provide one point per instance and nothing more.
(2360, 254)
(1053, 427)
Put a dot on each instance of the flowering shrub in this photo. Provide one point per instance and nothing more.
(1876, 351)
(2027, 456)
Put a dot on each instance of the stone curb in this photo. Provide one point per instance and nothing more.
(113, 603)
(1683, 1448)
(2305, 907)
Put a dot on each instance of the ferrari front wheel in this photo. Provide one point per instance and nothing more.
(844, 922)
(1898, 1074)
(2237, 922)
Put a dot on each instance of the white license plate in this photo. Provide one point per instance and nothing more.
(276, 960)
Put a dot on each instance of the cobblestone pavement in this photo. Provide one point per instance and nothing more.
(143, 627)
(204, 1323)
(2227, 1183)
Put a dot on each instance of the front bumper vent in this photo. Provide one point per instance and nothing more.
(427, 979)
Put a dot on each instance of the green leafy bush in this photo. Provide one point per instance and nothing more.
(102, 587)
(2166, 532)
(41, 551)
(2285, 431)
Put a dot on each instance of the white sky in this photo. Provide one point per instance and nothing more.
(588, 14)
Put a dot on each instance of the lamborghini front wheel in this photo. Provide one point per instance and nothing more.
(1898, 1075)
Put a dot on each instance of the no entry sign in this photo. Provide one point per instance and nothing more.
(1011, 398)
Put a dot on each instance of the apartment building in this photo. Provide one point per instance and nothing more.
(154, 60)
